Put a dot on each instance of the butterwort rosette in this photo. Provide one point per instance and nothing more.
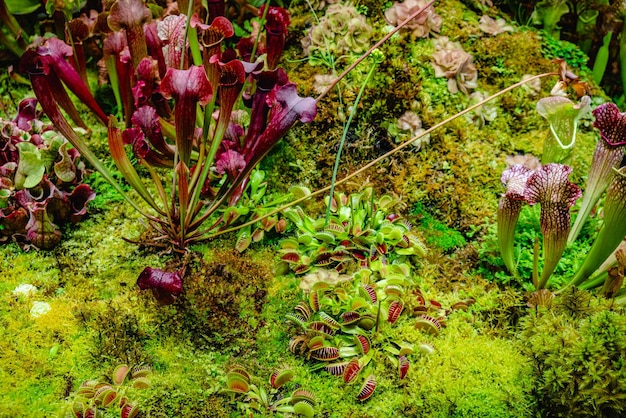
(515, 179)
(613, 230)
(550, 187)
(606, 158)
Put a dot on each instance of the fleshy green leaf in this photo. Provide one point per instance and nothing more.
(30, 169)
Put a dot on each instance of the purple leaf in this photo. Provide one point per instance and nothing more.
(611, 123)
(216, 9)
(230, 162)
(187, 87)
(146, 118)
(286, 109)
(53, 54)
(26, 113)
(211, 37)
(277, 21)
(607, 156)
(509, 208)
(80, 197)
(171, 31)
(40, 231)
(165, 286)
(131, 15)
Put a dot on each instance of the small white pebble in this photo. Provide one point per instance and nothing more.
(39, 308)
(25, 289)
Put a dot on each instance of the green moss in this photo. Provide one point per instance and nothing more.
(437, 233)
(221, 303)
(472, 375)
(578, 357)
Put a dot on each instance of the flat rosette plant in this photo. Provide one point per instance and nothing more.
(40, 181)
(182, 95)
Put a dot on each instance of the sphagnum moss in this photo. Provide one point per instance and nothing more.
(97, 265)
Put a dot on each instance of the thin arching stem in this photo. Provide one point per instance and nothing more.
(369, 51)
(382, 157)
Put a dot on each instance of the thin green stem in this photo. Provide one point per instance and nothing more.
(344, 135)
(258, 35)
(376, 45)
(382, 157)
(182, 58)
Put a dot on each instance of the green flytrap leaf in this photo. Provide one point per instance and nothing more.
(280, 377)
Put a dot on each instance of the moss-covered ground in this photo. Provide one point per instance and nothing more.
(499, 358)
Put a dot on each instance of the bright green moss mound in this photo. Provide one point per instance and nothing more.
(578, 350)
(471, 375)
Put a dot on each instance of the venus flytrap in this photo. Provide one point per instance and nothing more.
(178, 218)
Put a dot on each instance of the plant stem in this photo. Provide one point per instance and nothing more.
(382, 157)
(369, 51)
(343, 138)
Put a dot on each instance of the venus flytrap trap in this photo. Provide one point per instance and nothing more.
(359, 229)
(347, 327)
(94, 398)
(301, 402)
